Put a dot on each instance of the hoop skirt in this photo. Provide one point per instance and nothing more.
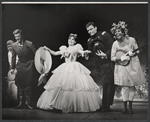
(70, 89)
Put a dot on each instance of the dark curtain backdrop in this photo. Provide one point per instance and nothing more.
(51, 24)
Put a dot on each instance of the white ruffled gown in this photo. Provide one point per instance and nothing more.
(71, 88)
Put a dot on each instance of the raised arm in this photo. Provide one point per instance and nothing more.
(84, 53)
(81, 51)
(33, 48)
(53, 52)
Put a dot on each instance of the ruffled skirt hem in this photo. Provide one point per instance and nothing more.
(71, 89)
(70, 101)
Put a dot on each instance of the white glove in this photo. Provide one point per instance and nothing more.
(124, 57)
(131, 53)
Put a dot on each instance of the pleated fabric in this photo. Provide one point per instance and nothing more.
(71, 89)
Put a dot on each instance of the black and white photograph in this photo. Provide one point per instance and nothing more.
(74, 61)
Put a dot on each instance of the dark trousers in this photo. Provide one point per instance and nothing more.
(24, 94)
(108, 94)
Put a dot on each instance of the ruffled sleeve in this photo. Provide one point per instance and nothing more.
(62, 49)
(79, 47)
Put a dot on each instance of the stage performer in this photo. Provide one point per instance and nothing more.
(100, 44)
(128, 72)
(25, 67)
(70, 88)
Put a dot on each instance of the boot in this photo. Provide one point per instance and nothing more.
(19, 106)
(130, 106)
(20, 96)
(125, 111)
(27, 102)
(27, 97)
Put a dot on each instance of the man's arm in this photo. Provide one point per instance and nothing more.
(31, 46)
(109, 42)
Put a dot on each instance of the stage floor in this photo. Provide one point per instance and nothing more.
(140, 113)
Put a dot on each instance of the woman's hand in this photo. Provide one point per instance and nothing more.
(88, 51)
(131, 53)
(125, 57)
(85, 53)
(46, 48)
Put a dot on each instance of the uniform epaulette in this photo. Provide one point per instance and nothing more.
(103, 32)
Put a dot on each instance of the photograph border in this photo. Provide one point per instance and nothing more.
(72, 2)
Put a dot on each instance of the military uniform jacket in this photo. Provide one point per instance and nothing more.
(105, 66)
(25, 65)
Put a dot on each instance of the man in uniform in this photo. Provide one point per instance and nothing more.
(100, 44)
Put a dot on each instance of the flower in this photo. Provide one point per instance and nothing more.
(120, 25)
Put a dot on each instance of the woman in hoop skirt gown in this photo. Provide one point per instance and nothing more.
(70, 88)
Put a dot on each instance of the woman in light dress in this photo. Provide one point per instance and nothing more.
(130, 75)
(70, 88)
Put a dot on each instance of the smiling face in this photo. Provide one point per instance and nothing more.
(18, 37)
(91, 30)
(71, 41)
(119, 34)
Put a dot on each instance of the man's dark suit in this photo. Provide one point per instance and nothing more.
(25, 68)
(105, 67)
